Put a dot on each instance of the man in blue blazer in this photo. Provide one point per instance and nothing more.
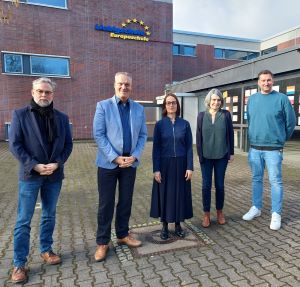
(40, 139)
(120, 132)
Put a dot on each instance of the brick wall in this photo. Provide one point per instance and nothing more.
(185, 67)
(94, 56)
(288, 44)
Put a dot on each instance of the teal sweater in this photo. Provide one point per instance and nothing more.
(271, 119)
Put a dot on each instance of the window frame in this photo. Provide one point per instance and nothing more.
(59, 75)
(178, 47)
(181, 49)
(222, 52)
(231, 54)
(44, 5)
(189, 46)
(228, 50)
(27, 71)
(270, 50)
(4, 64)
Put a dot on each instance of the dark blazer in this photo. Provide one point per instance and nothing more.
(26, 144)
(229, 134)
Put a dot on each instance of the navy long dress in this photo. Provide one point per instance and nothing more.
(172, 155)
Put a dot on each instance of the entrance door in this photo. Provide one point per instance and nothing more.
(153, 114)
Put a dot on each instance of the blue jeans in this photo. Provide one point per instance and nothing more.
(258, 159)
(28, 193)
(219, 167)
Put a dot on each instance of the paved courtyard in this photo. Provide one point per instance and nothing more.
(237, 254)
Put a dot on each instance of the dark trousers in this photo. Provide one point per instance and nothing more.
(107, 181)
(218, 166)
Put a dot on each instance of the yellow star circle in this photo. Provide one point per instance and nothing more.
(140, 22)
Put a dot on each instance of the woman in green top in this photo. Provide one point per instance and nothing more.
(215, 149)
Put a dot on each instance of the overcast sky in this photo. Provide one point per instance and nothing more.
(254, 19)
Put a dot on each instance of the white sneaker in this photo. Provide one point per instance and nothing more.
(253, 212)
(275, 221)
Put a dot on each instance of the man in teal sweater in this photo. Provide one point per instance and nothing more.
(271, 121)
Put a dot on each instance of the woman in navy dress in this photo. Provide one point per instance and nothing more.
(172, 157)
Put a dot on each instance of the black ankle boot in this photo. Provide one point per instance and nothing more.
(178, 230)
(164, 234)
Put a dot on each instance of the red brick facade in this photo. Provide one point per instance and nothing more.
(288, 44)
(185, 67)
(94, 56)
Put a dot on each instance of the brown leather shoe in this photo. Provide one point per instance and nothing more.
(51, 258)
(130, 241)
(220, 217)
(19, 275)
(101, 252)
(206, 220)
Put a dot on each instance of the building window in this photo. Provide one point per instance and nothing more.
(176, 49)
(235, 54)
(49, 66)
(252, 55)
(219, 53)
(189, 50)
(184, 50)
(13, 63)
(27, 64)
(50, 3)
(269, 50)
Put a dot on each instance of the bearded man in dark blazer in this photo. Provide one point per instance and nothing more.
(41, 141)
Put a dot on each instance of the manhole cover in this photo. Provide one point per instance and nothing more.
(152, 243)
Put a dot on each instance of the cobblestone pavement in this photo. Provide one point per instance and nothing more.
(244, 253)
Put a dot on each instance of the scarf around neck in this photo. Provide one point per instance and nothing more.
(47, 116)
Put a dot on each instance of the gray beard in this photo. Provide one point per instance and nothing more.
(43, 103)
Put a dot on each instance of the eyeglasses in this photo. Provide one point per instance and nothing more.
(171, 103)
(121, 84)
(47, 93)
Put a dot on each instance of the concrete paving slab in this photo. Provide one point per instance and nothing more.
(237, 254)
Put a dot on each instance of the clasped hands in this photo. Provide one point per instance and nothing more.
(188, 175)
(124, 161)
(45, 169)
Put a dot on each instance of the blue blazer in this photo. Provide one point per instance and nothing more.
(26, 144)
(108, 132)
